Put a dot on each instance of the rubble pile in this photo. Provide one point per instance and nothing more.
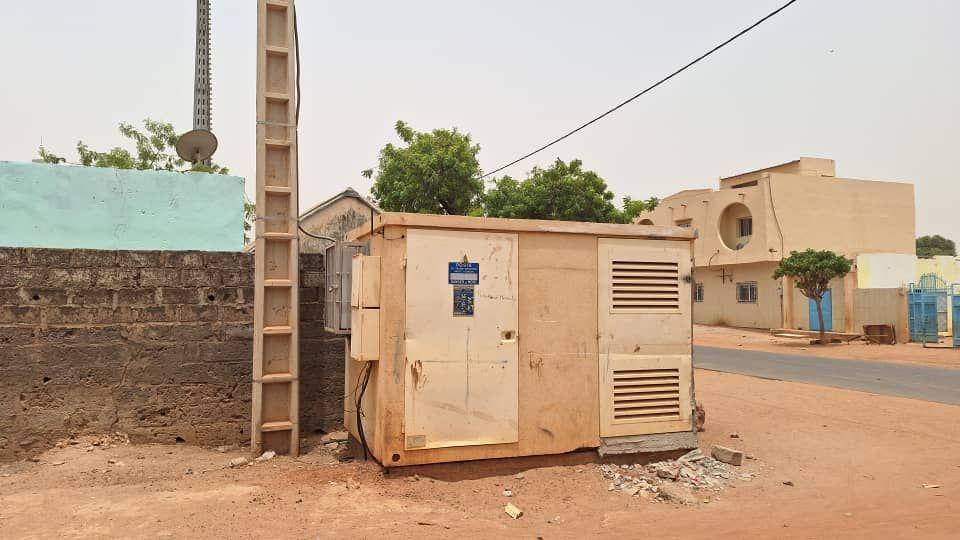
(693, 472)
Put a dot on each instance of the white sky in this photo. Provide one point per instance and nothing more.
(872, 84)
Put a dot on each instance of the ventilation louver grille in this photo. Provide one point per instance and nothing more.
(646, 286)
(646, 395)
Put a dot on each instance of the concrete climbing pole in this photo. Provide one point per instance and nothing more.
(275, 354)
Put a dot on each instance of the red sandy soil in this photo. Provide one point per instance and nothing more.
(761, 340)
(858, 463)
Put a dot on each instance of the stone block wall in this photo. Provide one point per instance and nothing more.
(154, 344)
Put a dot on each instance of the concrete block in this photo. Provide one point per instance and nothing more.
(199, 313)
(159, 277)
(71, 278)
(92, 258)
(139, 259)
(155, 314)
(11, 256)
(183, 259)
(48, 258)
(727, 455)
(137, 297)
(115, 278)
(237, 278)
(34, 296)
(200, 277)
(93, 297)
(179, 295)
(19, 315)
(238, 313)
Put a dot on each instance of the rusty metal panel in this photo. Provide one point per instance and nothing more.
(337, 261)
(461, 366)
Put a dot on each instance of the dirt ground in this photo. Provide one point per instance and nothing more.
(761, 340)
(858, 464)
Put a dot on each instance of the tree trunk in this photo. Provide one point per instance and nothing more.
(820, 318)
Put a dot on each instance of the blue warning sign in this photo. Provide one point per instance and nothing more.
(464, 273)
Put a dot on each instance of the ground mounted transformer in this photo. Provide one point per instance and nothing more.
(475, 338)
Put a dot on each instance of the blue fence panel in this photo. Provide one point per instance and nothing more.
(956, 320)
(923, 316)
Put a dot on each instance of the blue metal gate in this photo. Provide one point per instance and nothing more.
(923, 315)
(955, 297)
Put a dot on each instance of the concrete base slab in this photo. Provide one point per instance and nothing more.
(642, 444)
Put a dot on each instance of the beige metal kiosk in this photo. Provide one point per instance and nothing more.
(477, 338)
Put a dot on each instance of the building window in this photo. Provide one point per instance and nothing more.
(684, 222)
(747, 292)
(698, 293)
(745, 227)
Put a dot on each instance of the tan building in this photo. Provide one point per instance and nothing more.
(754, 219)
(335, 217)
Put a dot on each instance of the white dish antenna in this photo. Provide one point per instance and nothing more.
(197, 145)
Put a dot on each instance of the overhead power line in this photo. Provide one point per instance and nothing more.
(642, 92)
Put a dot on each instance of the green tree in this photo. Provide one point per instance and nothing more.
(433, 173)
(930, 246)
(634, 207)
(812, 271)
(564, 191)
(154, 149)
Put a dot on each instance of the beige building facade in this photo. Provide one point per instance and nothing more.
(756, 218)
(335, 217)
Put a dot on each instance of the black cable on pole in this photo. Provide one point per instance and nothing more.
(644, 91)
(296, 54)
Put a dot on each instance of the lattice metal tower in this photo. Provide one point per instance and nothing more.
(202, 88)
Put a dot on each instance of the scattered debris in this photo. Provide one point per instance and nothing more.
(672, 480)
(58, 463)
(668, 470)
(188, 471)
(238, 462)
(727, 455)
(931, 486)
(788, 483)
(335, 436)
(513, 511)
(734, 435)
(268, 455)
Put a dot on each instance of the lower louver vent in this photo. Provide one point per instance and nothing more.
(646, 395)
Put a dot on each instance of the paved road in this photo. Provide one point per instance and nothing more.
(918, 382)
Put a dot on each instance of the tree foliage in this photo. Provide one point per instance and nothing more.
(564, 191)
(633, 208)
(154, 149)
(432, 173)
(931, 246)
(812, 271)
(438, 173)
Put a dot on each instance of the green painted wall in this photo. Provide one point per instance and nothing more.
(66, 206)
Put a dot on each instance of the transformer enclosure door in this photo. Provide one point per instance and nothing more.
(461, 365)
